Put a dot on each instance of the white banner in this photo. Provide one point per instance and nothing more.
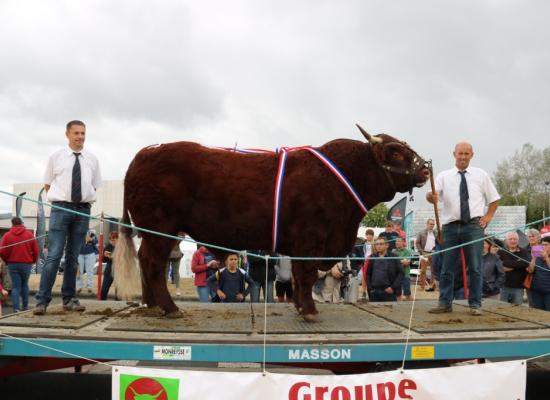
(503, 380)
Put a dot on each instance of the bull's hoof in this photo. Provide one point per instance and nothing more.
(310, 317)
(174, 314)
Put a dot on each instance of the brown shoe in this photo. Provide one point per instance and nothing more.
(39, 309)
(441, 309)
(73, 305)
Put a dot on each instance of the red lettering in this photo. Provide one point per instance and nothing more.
(368, 392)
(381, 389)
(358, 392)
(406, 384)
(340, 393)
(320, 392)
(295, 389)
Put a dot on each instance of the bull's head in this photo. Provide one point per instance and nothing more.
(404, 168)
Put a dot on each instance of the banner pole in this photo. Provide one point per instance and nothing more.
(100, 259)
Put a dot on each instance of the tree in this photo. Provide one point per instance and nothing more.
(376, 217)
(523, 180)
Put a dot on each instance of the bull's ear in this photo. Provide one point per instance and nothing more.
(371, 139)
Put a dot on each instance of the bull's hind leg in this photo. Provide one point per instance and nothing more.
(153, 257)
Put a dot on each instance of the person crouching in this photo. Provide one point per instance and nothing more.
(384, 275)
(229, 282)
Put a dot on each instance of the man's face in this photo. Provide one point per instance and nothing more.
(533, 239)
(76, 135)
(463, 154)
(389, 228)
(380, 246)
(512, 241)
(232, 261)
(430, 225)
(369, 237)
(400, 243)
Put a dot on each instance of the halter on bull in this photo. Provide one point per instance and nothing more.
(226, 199)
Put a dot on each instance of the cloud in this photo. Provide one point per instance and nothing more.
(268, 74)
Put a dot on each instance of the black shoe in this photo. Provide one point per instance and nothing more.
(39, 309)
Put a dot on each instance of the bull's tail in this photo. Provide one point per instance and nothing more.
(127, 277)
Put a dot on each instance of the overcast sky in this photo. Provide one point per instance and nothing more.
(268, 74)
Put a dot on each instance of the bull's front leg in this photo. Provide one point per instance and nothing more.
(308, 278)
(297, 273)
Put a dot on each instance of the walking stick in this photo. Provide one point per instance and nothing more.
(432, 183)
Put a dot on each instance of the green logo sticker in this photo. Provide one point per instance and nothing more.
(133, 387)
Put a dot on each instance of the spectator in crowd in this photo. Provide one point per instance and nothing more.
(425, 245)
(492, 272)
(229, 283)
(203, 265)
(384, 275)
(109, 272)
(71, 179)
(283, 279)
(465, 192)
(540, 267)
(405, 253)
(389, 235)
(515, 261)
(86, 262)
(174, 261)
(398, 228)
(533, 236)
(257, 271)
(369, 242)
(19, 250)
(327, 287)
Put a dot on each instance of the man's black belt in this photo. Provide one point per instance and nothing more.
(459, 222)
(68, 204)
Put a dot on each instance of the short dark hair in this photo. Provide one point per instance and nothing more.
(545, 239)
(16, 221)
(75, 122)
(369, 232)
(230, 254)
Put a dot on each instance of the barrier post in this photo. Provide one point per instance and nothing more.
(100, 259)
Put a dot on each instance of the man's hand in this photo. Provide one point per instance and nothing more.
(221, 294)
(240, 296)
(336, 273)
(388, 290)
(432, 197)
(213, 264)
(484, 221)
(405, 261)
(508, 269)
(4, 293)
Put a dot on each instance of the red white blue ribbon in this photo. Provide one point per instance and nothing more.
(280, 177)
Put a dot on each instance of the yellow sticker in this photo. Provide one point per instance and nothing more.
(422, 352)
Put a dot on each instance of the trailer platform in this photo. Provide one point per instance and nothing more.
(345, 333)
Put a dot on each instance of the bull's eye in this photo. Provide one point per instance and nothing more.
(398, 156)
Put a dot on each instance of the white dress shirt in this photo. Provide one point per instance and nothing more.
(59, 175)
(481, 191)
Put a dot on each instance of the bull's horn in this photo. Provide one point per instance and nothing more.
(371, 139)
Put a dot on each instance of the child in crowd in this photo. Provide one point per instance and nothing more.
(229, 282)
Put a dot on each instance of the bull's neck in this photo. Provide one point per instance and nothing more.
(357, 162)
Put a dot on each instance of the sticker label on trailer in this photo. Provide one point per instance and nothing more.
(180, 353)
(423, 352)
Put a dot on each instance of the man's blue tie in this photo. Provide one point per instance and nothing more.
(464, 207)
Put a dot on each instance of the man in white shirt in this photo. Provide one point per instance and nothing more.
(71, 179)
(425, 244)
(464, 191)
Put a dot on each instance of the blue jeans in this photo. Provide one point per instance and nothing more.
(86, 263)
(455, 234)
(65, 227)
(255, 292)
(19, 274)
(204, 293)
(540, 300)
(511, 295)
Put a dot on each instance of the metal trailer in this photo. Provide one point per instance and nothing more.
(348, 338)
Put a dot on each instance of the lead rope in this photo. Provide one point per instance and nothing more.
(409, 325)
(265, 315)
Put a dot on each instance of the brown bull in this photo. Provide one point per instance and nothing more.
(226, 199)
